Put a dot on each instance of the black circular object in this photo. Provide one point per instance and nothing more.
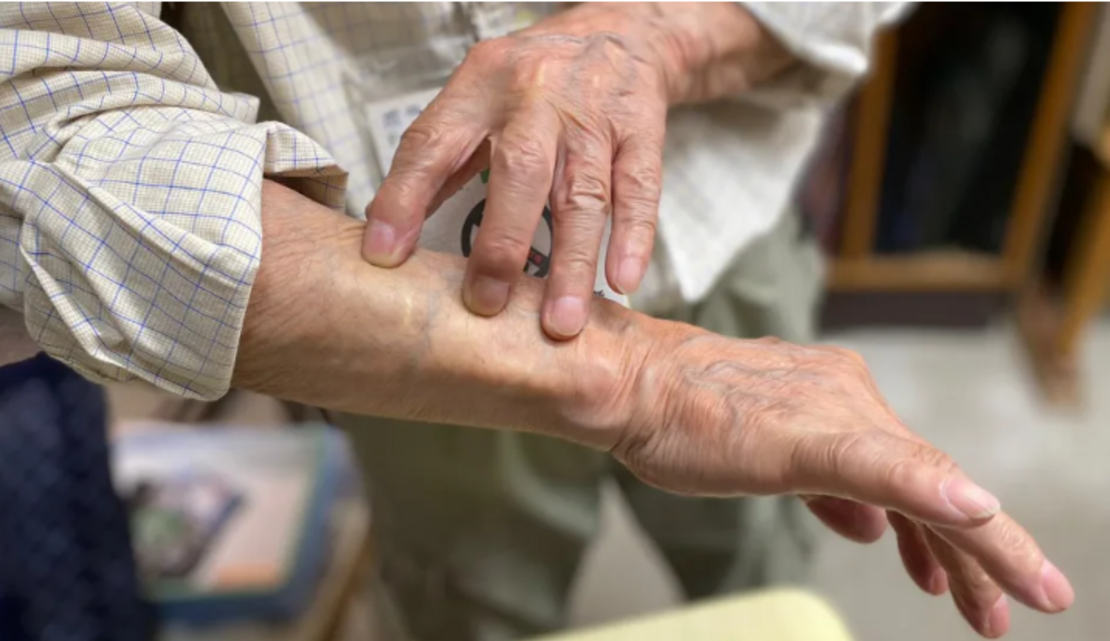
(539, 261)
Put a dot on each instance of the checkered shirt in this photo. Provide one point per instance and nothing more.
(132, 159)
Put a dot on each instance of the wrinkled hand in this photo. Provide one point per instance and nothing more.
(577, 120)
(724, 417)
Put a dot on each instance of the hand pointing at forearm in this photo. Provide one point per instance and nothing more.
(570, 111)
(685, 409)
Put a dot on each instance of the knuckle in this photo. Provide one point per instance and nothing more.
(845, 363)
(911, 471)
(492, 49)
(590, 128)
(524, 156)
(398, 196)
(419, 136)
(1018, 543)
(843, 359)
(500, 251)
(610, 43)
(849, 355)
(422, 148)
(641, 183)
(528, 73)
(584, 192)
(934, 458)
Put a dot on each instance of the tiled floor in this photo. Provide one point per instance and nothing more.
(968, 392)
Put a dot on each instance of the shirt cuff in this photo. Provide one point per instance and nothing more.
(831, 40)
(140, 242)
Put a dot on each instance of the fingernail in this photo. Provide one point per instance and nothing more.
(487, 296)
(998, 619)
(938, 582)
(971, 500)
(629, 273)
(1058, 593)
(380, 241)
(567, 316)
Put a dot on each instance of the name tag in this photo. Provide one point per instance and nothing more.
(455, 226)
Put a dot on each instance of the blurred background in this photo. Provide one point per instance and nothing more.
(962, 196)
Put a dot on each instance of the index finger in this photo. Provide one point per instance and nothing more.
(437, 145)
(1012, 558)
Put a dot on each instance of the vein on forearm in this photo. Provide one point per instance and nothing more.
(326, 328)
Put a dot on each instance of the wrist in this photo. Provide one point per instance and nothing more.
(582, 390)
(700, 51)
(598, 392)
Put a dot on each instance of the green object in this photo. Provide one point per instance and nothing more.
(480, 532)
(485, 177)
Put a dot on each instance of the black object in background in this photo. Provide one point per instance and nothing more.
(964, 102)
(1082, 171)
(66, 566)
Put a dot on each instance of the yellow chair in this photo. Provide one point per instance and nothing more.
(776, 615)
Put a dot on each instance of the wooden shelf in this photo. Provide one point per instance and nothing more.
(857, 268)
(1052, 321)
(1051, 325)
(1044, 151)
(921, 271)
(869, 130)
(1103, 151)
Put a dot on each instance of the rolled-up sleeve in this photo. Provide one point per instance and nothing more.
(130, 195)
(831, 40)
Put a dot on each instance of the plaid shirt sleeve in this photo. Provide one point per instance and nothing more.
(130, 225)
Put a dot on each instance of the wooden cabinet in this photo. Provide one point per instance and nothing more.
(857, 270)
(857, 267)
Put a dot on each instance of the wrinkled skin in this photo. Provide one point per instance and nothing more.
(687, 410)
(571, 111)
(767, 417)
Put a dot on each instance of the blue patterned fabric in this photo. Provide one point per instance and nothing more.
(66, 568)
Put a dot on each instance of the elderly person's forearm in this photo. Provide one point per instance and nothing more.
(325, 328)
(684, 409)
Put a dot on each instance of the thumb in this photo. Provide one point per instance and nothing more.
(888, 471)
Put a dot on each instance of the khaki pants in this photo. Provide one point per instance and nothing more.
(479, 533)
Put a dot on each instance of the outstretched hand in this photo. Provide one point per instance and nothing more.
(709, 415)
(686, 410)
